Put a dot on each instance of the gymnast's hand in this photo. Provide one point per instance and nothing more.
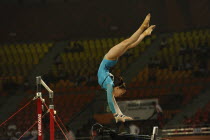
(121, 118)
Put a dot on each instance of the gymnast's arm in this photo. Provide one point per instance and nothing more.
(110, 99)
(114, 107)
(117, 107)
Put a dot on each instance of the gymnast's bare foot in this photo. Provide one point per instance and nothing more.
(145, 24)
(149, 30)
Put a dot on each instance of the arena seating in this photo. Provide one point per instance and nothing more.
(17, 60)
(180, 57)
(200, 118)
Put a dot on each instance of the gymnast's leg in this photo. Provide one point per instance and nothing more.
(131, 42)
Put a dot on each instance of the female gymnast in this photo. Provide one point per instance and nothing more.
(115, 86)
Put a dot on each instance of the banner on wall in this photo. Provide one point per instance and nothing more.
(138, 109)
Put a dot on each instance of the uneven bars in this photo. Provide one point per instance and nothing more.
(47, 88)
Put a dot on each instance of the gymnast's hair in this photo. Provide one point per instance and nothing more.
(118, 82)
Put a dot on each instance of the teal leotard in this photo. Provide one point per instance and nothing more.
(105, 80)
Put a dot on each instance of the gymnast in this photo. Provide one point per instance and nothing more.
(114, 85)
